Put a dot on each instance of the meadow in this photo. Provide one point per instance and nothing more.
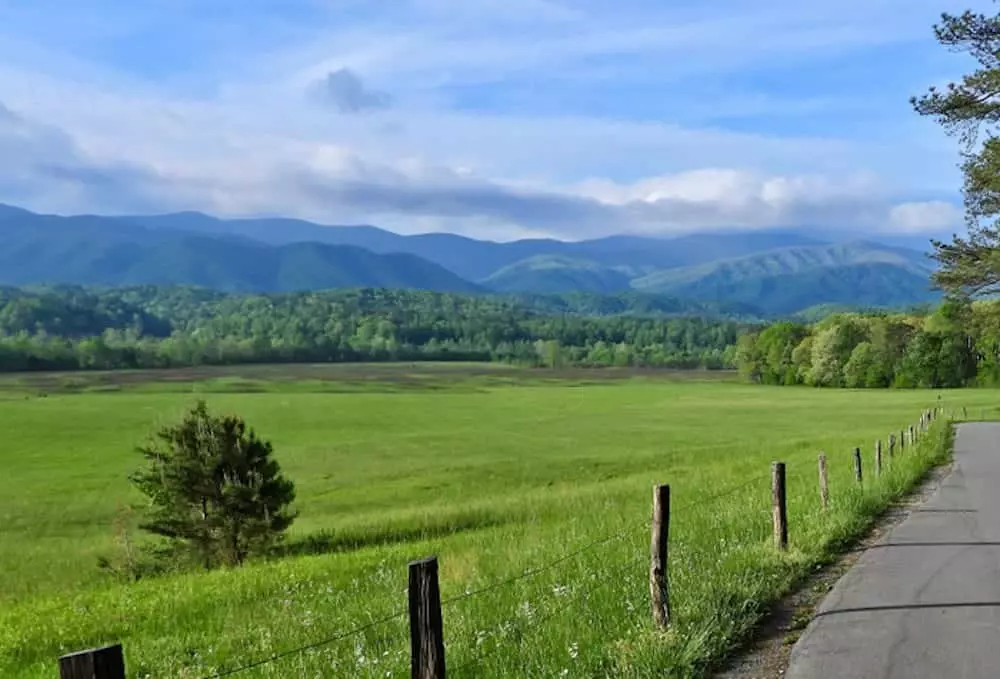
(532, 487)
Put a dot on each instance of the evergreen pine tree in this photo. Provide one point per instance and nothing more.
(214, 487)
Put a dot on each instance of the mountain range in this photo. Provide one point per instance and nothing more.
(775, 272)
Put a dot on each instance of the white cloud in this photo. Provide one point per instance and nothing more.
(333, 183)
(252, 144)
(925, 217)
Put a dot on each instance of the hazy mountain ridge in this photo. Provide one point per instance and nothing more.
(479, 259)
(773, 272)
(38, 249)
(789, 261)
(554, 274)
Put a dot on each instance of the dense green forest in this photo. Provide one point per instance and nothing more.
(69, 327)
(956, 345)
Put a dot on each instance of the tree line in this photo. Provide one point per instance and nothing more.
(959, 343)
(72, 327)
(955, 346)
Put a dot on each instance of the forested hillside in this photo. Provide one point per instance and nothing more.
(41, 249)
(80, 328)
(777, 273)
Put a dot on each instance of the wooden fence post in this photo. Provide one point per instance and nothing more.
(98, 663)
(779, 510)
(858, 473)
(426, 627)
(824, 488)
(902, 440)
(878, 458)
(659, 586)
(892, 445)
(965, 413)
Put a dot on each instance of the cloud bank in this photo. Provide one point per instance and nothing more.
(525, 117)
(51, 168)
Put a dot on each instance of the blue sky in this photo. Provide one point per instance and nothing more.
(493, 118)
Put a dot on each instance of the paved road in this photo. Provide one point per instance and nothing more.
(925, 603)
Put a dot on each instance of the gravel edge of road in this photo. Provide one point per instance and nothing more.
(767, 654)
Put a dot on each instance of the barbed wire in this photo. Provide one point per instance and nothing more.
(528, 574)
(537, 570)
(712, 499)
(548, 615)
(301, 649)
(701, 501)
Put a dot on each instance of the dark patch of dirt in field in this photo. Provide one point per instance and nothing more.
(353, 376)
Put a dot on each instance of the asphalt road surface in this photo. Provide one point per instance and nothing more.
(925, 602)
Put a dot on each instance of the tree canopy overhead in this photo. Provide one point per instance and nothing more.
(970, 110)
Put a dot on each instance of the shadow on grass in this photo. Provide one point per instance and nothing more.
(361, 537)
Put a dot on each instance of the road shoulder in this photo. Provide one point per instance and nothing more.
(768, 654)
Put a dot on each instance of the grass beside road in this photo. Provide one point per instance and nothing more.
(497, 478)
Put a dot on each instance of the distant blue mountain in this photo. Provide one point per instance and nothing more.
(778, 272)
(478, 259)
(37, 249)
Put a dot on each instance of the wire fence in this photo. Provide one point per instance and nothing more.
(425, 636)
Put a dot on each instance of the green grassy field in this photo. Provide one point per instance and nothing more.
(497, 472)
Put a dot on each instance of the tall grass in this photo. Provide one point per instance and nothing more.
(499, 482)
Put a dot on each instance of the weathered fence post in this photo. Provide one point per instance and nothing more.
(779, 510)
(858, 473)
(824, 488)
(892, 445)
(659, 586)
(98, 663)
(878, 458)
(965, 413)
(426, 627)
